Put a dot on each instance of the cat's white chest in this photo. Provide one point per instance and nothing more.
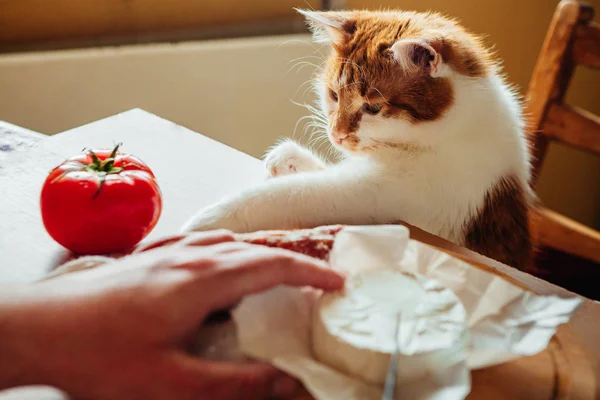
(439, 198)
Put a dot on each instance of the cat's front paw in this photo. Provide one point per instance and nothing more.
(289, 157)
(216, 216)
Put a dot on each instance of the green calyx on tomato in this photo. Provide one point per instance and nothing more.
(100, 167)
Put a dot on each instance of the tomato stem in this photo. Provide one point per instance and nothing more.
(95, 159)
(102, 176)
(110, 161)
(114, 152)
(103, 168)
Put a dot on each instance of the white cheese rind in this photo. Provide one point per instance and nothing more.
(353, 331)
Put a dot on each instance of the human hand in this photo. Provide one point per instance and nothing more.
(120, 332)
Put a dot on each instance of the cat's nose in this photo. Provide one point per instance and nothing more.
(340, 137)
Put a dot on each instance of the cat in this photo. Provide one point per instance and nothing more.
(429, 131)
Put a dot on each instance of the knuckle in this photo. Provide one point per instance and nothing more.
(225, 233)
(208, 237)
(230, 247)
(284, 258)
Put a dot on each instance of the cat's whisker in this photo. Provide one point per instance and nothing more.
(307, 89)
(316, 128)
(286, 42)
(322, 125)
(316, 131)
(378, 91)
(315, 86)
(309, 130)
(312, 143)
(316, 113)
(330, 151)
(301, 65)
(300, 120)
(316, 145)
(317, 135)
(321, 47)
(306, 57)
(320, 118)
(309, 6)
(318, 138)
(307, 85)
(317, 124)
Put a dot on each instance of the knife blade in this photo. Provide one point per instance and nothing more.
(389, 390)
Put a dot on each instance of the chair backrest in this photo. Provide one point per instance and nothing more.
(572, 40)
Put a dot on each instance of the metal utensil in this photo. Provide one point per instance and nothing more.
(389, 390)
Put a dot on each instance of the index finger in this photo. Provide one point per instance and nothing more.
(164, 241)
(259, 269)
(191, 239)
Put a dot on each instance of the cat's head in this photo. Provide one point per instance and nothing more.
(390, 73)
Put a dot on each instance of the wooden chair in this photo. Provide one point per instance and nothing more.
(572, 40)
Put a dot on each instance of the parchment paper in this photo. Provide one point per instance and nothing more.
(505, 322)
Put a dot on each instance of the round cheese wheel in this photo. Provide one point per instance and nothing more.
(354, 330)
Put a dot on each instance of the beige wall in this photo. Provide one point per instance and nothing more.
(239, 91)
(236, 91)
(570, 181)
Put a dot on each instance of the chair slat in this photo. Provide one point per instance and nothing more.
(559, 232)
(574, 127)
(586, 48)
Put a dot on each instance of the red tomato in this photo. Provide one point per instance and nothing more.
(100, 201)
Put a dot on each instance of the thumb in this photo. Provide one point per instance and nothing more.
(232, 381)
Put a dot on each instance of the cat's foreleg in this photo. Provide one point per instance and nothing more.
(298, 201)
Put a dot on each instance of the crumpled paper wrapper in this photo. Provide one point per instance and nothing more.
(505, 321)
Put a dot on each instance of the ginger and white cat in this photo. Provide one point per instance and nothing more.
(430, 133)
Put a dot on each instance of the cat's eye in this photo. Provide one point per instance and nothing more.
(372, 109)
(333, 95)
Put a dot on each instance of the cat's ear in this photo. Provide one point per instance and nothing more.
(329, 26)
(419, 55)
